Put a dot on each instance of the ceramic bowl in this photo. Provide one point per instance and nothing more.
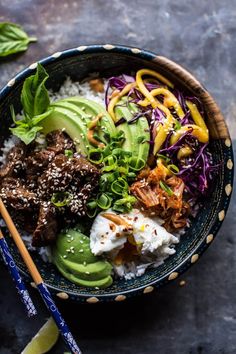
(109, 60)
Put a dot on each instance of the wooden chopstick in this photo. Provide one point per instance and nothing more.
(20, 286)
(41, 286)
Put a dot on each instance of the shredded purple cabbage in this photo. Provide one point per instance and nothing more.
(196, 170)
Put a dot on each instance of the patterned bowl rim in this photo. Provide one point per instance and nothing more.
(204, 244)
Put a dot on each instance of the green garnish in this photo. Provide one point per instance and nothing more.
(141, 139)
(119, 168)
(166, 188)
(95, 156)
(163, 157)
(136, 164)
(69, 153)
(177, 125)
(173, 168)
(104, 201)
(119, 186)
(61, 199)
(124, 205)
(13, 39)
(35, 102)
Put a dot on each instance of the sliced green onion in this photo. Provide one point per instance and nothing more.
(109, 168)
(110, 160)
(105, 181)
(119, 186)
(163, 157)
(141, 139)
(95, 156)
(92, 209)
(92, 204)
(131, 175)
(124, 204)
(123, 170)
(173, 168)
(60, 199)
(166, 188)
(69, 153)
(136, 163)
(104, 201)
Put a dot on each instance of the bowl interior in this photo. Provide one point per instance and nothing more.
(78, 66)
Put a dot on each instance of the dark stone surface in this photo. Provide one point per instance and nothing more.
(197, 318)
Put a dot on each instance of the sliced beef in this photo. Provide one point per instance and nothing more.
(16, 195)
(35, 164)
(14, 161)
(57, 176)
(76, 175)
(58, 142)
(47, 226)
(32, 175)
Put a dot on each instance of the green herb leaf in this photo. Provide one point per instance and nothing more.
(13, 39)
(35, 102)
(37, 119)
(166, 188)
(24, 133)
(34, 95)
(60, 199)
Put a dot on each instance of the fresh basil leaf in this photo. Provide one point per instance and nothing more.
(34, 95)
(26, 134)
(13, 39)
(35, 120)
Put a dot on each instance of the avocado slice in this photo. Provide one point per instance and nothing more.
(62, 118)
(73, 258)
(133, 132)
(73, 115)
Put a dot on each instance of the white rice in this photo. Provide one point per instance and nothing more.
(69, 89)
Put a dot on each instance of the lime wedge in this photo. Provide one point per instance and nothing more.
(44, 340)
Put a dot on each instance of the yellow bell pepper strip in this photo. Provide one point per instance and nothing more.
(198, 120)
(169, 100)
(195, 130)
(142, 87)
(185, 151)
(116, 98)
(162, 133)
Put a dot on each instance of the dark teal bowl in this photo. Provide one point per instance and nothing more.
(109, 60)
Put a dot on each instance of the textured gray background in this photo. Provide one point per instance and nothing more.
(201, 35)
